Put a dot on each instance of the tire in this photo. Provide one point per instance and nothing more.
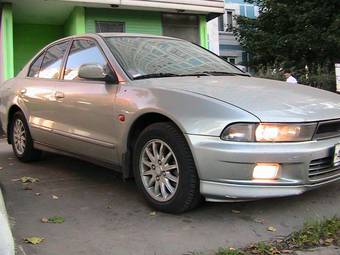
(177, 170)
(21, 139)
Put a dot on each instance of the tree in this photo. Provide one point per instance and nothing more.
(292, 34)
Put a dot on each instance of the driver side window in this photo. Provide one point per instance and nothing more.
(83, 52)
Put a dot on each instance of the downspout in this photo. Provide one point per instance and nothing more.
(7, 42)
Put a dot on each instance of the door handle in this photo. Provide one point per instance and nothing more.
(59, 95)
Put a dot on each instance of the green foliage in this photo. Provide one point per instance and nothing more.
(313, 234)
(230, 251)
(318, 233)
(268, 73)
(56, 219)
(322, 78)
(293, 34)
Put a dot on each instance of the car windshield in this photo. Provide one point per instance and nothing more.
(147, 57)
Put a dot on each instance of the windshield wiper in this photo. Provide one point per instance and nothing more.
(155, 75)
(205, 73)
(219, 73)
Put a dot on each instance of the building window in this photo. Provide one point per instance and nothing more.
(230, 59)
(110, 27)
(229, 25)
(225, 22)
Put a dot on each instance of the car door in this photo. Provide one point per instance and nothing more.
(85, 116)
(38, 92)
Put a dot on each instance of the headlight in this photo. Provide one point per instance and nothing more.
(269, 132)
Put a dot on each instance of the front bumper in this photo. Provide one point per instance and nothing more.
(225, 168)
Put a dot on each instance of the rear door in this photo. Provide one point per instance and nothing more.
(39, 89)
(85, 116)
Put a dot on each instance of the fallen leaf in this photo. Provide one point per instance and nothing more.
(44, 220)
(26, 179)
(261, 221)
(271, 229)
(55, 197)
(56, 219)
(153, 214)
(37, 194)
(329, 241)
(236, 211)
(34, 240)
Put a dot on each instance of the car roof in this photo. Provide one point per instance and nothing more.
(107, 35)
(134, 35)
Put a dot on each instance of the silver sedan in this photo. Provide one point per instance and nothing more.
(180, 120)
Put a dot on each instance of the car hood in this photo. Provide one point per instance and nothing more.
(268, 100)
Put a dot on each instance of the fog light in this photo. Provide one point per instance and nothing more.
(266, 171)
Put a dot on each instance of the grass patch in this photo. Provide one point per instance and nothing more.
(312, 235)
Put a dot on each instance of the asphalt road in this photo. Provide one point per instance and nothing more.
(105, 215)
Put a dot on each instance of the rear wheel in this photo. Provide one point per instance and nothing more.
(21, 139)
(165, 170)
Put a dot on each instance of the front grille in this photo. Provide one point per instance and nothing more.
(322, 168)
(327, 129)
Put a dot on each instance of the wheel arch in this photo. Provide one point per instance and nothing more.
(138, 125)
(12, 110)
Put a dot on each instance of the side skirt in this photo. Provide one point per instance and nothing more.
(47, 148)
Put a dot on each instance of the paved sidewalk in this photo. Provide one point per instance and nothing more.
(106, 216)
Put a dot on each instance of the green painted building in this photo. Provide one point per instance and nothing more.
(28, 25)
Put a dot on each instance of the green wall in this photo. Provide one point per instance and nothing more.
(75, 24)
(22, 41)
(7, 41)
(203, 31)
(135, 21)
(30, 38)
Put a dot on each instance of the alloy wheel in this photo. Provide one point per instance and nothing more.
(159, 170)
(19, 136)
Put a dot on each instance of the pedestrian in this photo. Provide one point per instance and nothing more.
(289, 78)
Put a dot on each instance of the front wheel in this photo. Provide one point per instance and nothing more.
(21, 139)
(164, 169)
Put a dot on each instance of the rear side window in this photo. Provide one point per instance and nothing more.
(83, 52)
(35, 67)
(51, 65)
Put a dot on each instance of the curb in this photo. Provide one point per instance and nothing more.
(6, 238)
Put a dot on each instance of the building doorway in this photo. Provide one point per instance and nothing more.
(181, 26)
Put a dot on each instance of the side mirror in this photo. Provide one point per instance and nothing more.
(96, 72)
